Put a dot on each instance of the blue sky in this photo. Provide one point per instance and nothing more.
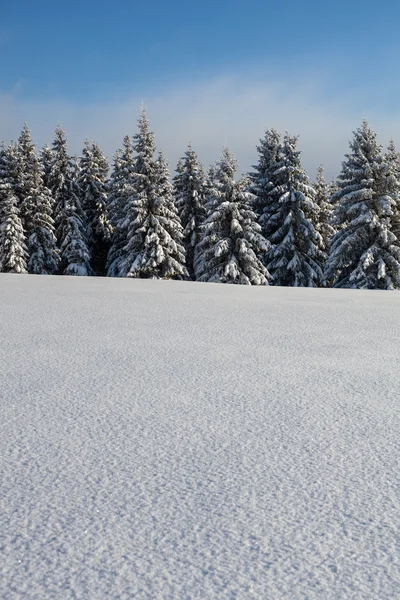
(211, 72)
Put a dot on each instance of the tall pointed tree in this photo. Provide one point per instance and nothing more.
(13, 252)
(92, 185)
(231, 238)
(154, 247)
(42, 246)
(296, 258)
(70, 222)
(365, 253)
(392, 159)
(46, 159)
(325, 212)
(26, 155)
(120, 192)
(264, 181)
(189, 193)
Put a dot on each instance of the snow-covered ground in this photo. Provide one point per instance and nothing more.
(182, 440)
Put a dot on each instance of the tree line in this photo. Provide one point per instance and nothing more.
(66, 215)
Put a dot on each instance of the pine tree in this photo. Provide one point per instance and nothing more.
(25, 155)
(70, 222)
(392, 159)
(365, 253)
(231, 237)
(325, 213)
(42, 247)
(36, 205)
(296, 257)
(120, 192)
(154, 247)
(189, 193)
(46, 159)
(13, 253)
(264, 181)
(92, 185)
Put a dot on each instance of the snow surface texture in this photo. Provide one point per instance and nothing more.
(184, 440)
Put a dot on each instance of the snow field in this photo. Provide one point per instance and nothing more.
(166, 439)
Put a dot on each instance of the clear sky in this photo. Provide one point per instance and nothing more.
(212, 73)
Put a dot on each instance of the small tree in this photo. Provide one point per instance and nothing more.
(231, 237)
(365, 253)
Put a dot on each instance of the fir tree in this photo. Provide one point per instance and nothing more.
(264, 181)
(365, 253)
(189, 192)
(392, 159)
(46, 159)
(154, 247)
(42, 247)
(92, 185)
(13, 253)
(231, 237)
(296, 257)
(26, 155)
(120, 192)
(325, 216)
(69, 219)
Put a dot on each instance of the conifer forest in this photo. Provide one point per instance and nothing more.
(61, 214)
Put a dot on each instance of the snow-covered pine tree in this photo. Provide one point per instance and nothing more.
(120, 190)
(70, 222)
(25, 153)
(92, 185)
(154, 247)
(13, 252)
(231, 238)
(36, 204)
(392, 158)
(365, 253)
(46, 159)
(263, 181)
(325, 214)
(296, 258)
(189, 192)
(42, 246)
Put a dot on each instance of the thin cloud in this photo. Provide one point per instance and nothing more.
(209, 114)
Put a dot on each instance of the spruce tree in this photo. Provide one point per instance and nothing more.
(42, 246)
(26, 155)
(392, 159)
(365, 253)
(231, 238)
(46, 159)
(13, 252)
(154, 247)
(120, 192)
(92, 185)
(70, 222)
(264, 181)
(189, 193)
(296, 257)
(325, 213)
